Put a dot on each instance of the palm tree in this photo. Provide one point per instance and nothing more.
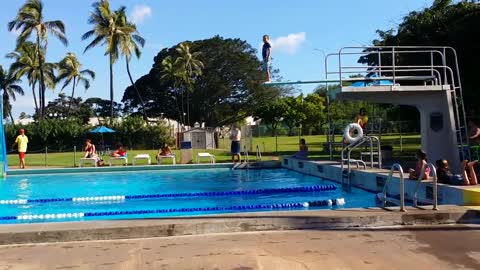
(70, 72)
(30, 19)
(130, 42)
(106, 31)
(190, 68)
(170, 73)
(9, 85)
(26, 64)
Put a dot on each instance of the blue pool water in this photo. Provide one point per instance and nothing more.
(92, 185)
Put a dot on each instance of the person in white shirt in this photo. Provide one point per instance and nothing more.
(235, 137)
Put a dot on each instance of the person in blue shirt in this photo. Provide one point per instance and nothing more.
(266, 55)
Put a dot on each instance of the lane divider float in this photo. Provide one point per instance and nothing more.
(332, 202)
(119, 198)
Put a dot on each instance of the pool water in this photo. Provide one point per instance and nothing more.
(91, 185)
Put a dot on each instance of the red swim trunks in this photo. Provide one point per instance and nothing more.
(21, 155)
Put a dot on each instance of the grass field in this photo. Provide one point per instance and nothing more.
(404, 147)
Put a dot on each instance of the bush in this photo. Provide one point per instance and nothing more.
(63, 134)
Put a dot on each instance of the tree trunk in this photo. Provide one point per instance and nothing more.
(11, 117)
(136, 90)
(188, 107)
(42, 79)
(111, 86)
(34, 96)
(183, 109)
(71, 97)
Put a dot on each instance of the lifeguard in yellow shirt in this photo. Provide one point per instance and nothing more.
(362, 118)
(22, 142)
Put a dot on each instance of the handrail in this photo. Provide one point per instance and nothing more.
(433, 172)
(245, 153)
(395, 167)
(259, 154)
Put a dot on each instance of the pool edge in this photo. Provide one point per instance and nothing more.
(231, 223)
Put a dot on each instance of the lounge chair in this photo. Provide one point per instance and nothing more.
(159, 159)
(123, 159)
(205, 155)
(141, 156)
(84, 160)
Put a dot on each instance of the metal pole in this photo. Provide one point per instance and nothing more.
(401, 140)
(74, 156)
(444, 60)
(379, 64)
(46, 154)
(276, 142)
(431, 63)
(393, 65)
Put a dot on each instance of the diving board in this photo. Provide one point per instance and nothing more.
(363, 79)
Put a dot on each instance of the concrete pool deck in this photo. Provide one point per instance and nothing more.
(437, 248)
(232, 223)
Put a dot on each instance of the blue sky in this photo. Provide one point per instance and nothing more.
(301, 31)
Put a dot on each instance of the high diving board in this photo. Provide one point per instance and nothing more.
(397, 78)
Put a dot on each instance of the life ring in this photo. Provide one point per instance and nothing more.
(349, 137)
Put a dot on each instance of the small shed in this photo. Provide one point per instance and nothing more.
(201, 138)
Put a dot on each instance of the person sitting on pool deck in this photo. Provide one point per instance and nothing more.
(91, 152)
(119, 151)
(303, 151)
(165, 151)
(421, 162)
(445, 176)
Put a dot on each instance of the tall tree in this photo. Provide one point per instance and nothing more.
(107, 30)
(189, 68)
(227, 92)
(26, 64)
(130, 43)
(30, 19)
(9, 85)
(445, 23)
(70, 72)
(169, 72)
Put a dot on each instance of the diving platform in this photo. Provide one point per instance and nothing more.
(425, 77)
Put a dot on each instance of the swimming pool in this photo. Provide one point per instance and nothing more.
(152, 194)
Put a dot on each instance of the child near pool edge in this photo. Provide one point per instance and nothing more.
(303, 150)
(421, 157)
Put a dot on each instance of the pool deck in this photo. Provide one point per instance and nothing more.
(232, 223)
(436, 248)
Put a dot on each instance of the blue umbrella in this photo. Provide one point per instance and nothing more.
(102, 129)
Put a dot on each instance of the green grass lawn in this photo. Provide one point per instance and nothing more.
(404, 147)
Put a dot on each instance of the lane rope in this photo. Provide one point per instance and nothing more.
(332, 202)
(120, 198)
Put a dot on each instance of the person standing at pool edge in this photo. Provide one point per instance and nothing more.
(22, 142)
(235, 137)
(266, 55)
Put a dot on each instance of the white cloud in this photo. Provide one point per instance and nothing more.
(140, 13)
(288, 44)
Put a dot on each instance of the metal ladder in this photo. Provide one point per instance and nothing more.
(258, 153)
(457, 97)
(433, 171)
(346, 173)
(395, 167)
